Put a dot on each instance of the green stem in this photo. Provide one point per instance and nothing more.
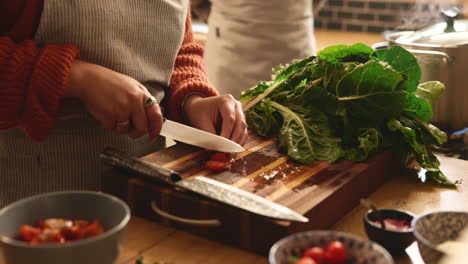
(248, 104)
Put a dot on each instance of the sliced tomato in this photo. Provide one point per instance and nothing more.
(306, 260)
(81, 223)
(56, 223)
(316, 253)
(58, 230)
(215, 165)
(52, 235)
(93, 229)
(71, 233)
(29, 233)
(220, 156)
(336, 253)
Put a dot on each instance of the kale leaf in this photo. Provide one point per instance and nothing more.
(349, 102)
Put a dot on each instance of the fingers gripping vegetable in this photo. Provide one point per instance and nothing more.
(349, 102)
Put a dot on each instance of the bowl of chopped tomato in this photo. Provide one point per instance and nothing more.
(72, 227)
(327, 247)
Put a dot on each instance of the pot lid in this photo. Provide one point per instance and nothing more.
(445, 34)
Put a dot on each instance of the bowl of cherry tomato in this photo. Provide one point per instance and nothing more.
(327, 247)
(72, 227)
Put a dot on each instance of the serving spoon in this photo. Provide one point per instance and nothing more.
(370, 205)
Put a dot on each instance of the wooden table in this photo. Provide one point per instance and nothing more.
(160, 243)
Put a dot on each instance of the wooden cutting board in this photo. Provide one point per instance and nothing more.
(323, 192)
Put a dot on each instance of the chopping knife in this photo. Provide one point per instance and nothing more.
(197, 137)
(202, 185)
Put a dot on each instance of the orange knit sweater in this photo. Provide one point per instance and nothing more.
(32, 79)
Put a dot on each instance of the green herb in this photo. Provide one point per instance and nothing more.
(292, 259)
(349, 102)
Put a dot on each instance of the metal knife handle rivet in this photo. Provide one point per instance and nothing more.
(120, 159)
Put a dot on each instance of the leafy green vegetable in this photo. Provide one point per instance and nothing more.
(342, 53)
(372, 91)
(402, 61)
(285, 78)
(349, 102)
(430, 91)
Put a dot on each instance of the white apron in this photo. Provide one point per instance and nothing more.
(247, 38)
(139, 38)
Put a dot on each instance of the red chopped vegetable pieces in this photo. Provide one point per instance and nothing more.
(218, 161)
(59, 231)
(220, 156)
(215, 165)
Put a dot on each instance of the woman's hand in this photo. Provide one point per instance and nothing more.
(218, 115)
(114, 99)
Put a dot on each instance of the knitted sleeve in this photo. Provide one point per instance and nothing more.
(189, 74)
(32, 80)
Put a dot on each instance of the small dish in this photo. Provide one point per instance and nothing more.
(433, 229)
(395, 240)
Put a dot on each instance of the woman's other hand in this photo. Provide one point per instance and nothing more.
(117, 100)
(218, 115)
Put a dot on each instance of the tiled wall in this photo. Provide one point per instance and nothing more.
(380, 15)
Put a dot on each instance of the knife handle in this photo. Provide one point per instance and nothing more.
(120, 159)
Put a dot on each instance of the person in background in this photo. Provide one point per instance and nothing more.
(79, 75)
(248, 38)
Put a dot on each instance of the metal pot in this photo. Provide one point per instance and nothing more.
(442, 52)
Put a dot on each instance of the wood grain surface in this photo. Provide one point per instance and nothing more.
(264, 170)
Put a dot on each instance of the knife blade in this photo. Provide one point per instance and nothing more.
(199, 138)
(202, 185)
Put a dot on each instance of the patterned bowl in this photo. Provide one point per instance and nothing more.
(435, 228)
(359, 250)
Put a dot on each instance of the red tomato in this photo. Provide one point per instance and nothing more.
(316, 253)
(336, 253)
(220, 156)
(52, 235)
(71, 233)
(215, 165)
(80, 223)
(29, 233)
(57, 230)
(94, 229)
(306, 260)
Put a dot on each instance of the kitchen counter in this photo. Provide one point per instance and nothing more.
(160, 243)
